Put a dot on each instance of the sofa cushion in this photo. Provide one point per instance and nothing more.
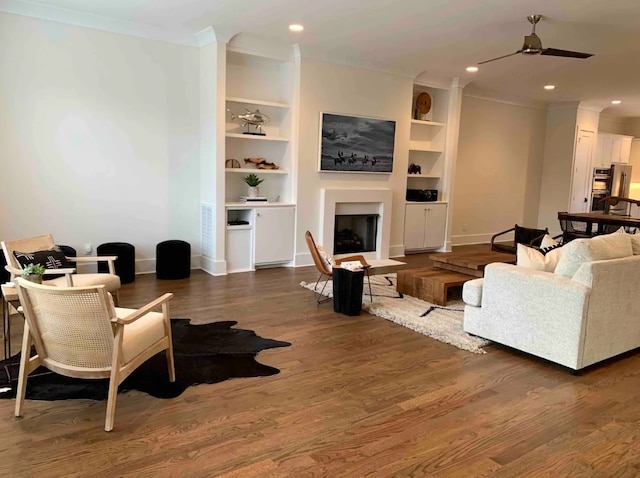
(599, 248)
(544, 259)
(472, 292)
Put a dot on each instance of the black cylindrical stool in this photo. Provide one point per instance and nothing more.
(173, 260)
(126, 262)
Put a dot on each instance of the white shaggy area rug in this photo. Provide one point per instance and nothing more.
(440, 323)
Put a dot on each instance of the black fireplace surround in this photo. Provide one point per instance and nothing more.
(355, 233)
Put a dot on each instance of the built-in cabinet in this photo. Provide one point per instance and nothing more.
(611, 148)
(259, 235)
(425, 222)
(424, 225)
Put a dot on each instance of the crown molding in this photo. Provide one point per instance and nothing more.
(97, 22)
(496, 97)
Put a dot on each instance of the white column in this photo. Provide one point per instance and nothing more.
(212, 151)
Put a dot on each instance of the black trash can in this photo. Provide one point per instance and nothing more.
(125, 264)
(173, 260)
(347, 291)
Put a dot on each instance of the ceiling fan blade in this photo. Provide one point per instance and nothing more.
(564, 53)
(500, 57)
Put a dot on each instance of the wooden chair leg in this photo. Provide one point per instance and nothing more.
(111, 398)
(24, 370)
(170, 363)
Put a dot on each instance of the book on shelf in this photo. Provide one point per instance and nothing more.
(253, 199)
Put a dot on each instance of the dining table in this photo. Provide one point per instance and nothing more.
(600, 220)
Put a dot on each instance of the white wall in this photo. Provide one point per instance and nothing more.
(333, 88)
(99, 138)
(499, 167)
(611, 124)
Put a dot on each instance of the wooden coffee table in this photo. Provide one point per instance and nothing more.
(471, 263)
(450, 269)
(430, 284)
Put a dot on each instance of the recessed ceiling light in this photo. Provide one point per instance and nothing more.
(472, 69)
(616, 102)
(296, 27)
(549, 87)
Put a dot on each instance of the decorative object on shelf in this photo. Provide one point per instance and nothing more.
(356, 144)
(232, 164)
(33, 273)
(423, 106)
(251, 118)
(415, 169)
(261, 163)
(253, 181)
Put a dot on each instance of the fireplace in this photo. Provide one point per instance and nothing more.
(355, 233)
(360, 203)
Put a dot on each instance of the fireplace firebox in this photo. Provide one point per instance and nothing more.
(355, 233)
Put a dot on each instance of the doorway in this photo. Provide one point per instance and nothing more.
(581, 178)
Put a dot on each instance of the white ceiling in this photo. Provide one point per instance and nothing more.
(439, 37)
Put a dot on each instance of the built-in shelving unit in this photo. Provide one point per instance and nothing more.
(427, 140)
(259, 82)
(264, 83)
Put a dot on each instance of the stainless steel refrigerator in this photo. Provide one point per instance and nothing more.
(620, 183)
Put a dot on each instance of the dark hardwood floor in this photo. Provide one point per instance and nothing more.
(356, 396)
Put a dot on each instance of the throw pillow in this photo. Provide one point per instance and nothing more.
(532, 258)
(326, 258)
(635, 240)
(599, 248)
(49, 259)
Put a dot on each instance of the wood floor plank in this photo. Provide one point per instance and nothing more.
(356, 396)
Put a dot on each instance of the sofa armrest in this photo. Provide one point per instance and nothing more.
(533, 311)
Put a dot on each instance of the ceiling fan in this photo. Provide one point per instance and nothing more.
(533, 46)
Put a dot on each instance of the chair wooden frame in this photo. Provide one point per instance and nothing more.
(325, 271)
(101, 304)
(44, 242)
(531, 243)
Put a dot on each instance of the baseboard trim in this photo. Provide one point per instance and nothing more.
(396, 251)
(468, 239)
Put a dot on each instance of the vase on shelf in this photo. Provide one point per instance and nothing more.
(254, 191)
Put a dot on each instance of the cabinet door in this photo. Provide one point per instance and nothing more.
(435, 225)
(603, 151)
(616, 148)
(274, 231)
(414, 221)
(625, 149)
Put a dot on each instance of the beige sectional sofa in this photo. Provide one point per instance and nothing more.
(585, 311)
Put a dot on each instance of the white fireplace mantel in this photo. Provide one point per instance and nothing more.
(365, 201)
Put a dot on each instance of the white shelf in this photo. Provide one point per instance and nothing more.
(424, 176)
(248, 101)
(256, 137)
(429, 123)
(423, 146)
(251, 205)
(256, 170)
(239, 227)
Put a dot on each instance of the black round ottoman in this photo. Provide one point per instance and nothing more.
(173, 260)
(126, 262)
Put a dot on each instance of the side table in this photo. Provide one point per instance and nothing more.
(347, 291)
